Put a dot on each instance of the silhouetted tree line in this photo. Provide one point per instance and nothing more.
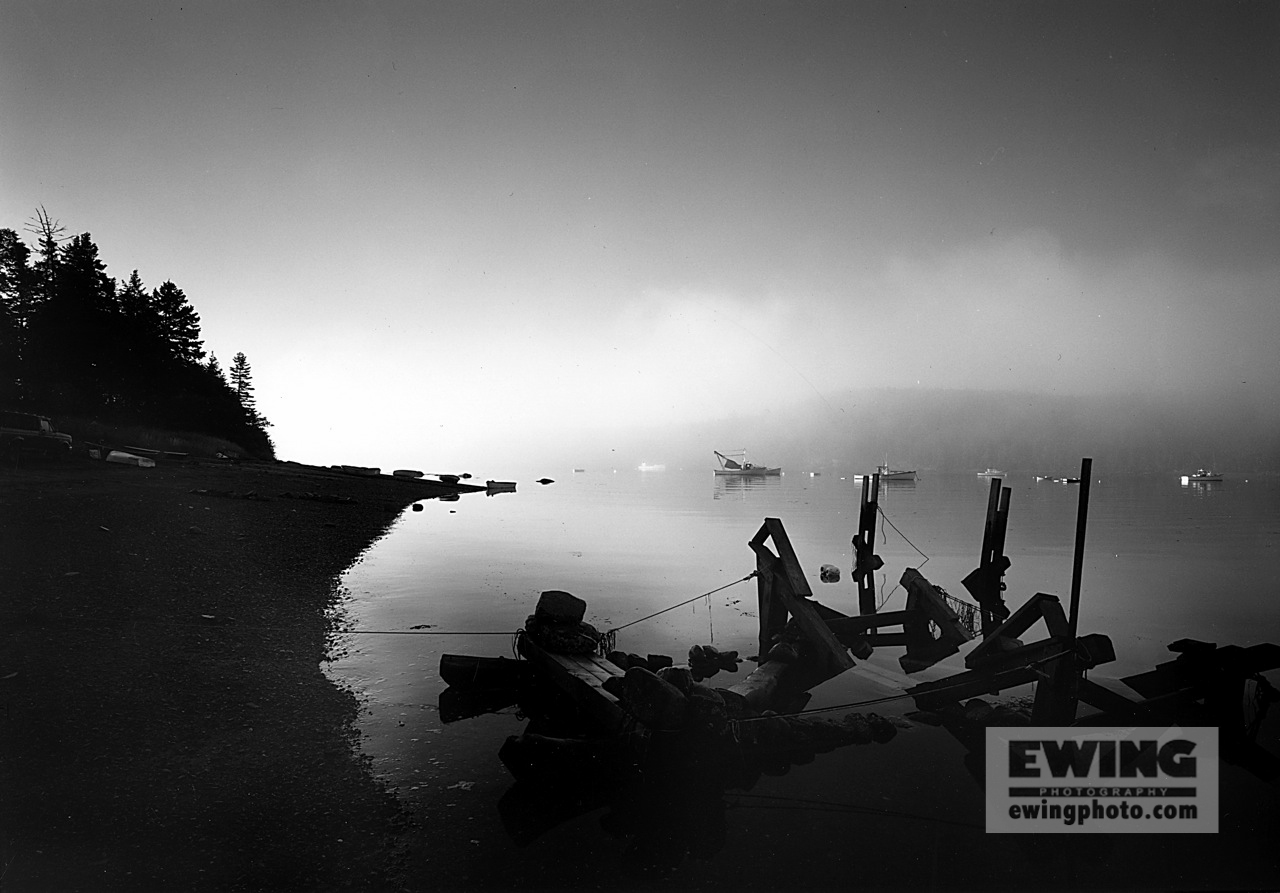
(75, 342)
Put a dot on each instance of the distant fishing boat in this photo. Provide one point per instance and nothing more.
(646, 466)
(895, 474)
(1201, 476)
(991, 473)
(735, 464)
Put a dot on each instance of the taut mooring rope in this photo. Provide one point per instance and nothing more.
(610, 637)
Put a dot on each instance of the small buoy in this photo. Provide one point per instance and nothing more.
(417, 506)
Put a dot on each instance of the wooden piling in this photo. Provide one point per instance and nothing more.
(985, 583)
(1082, 516)
(866, 562)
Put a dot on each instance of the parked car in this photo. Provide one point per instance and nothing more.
(25, 432)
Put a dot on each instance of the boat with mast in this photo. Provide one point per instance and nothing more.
(735, 464)
(894, 474)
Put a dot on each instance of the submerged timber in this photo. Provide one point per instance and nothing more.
(624, 729)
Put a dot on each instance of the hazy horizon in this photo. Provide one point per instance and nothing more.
(446, 233)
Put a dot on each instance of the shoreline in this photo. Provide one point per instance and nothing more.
(167, 722)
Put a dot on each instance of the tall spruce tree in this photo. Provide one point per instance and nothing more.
(73, 329)
(16, 297)
(179, 323)
(242, 382)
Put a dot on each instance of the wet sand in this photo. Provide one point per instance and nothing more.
(166, 723)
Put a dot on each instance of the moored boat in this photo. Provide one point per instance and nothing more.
(991, 473)
(735, 464)
(1201, 476)
(895, 474)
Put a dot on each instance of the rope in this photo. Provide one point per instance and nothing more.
(704, 595)
(880, 511)
(903, 535)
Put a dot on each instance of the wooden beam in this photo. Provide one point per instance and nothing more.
(1039, 606)
(924, 599)
(781, 597)
(782, 542)
(968, 684)
(580, 677)
(863, 622)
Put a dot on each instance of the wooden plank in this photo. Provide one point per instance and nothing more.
(837, 656)
(864, 545)
(863, 622)
(773, 614)
(588, 665)
(761, 686)
(934, 607)
(1100, 694)
(582, 686)
(884, 640)
(1019, 622)
(791, 564)
(967, 685)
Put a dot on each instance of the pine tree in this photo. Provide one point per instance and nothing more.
(16, 296)
(179, 323)
(214, 368)
(242, 383)
(73, 329)
(242, 380)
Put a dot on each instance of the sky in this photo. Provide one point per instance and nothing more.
(445, 233)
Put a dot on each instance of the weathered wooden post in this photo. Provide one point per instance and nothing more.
(865, 561)
(1082, 516)
(986, 584)
(1058, 696)
(783, 591)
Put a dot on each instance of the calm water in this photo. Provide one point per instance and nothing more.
(1163, 561)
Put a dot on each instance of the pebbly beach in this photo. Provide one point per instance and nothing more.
(166, 721)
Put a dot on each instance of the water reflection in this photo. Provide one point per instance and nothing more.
(730, 485)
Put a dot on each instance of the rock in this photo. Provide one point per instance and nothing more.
(560, 607)
(680, 677)
(618, 659)
(977, 710)
(702, 692)
(784, 652)
(858, 727)
(656, 703)
(658, 661)
(882, 730)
